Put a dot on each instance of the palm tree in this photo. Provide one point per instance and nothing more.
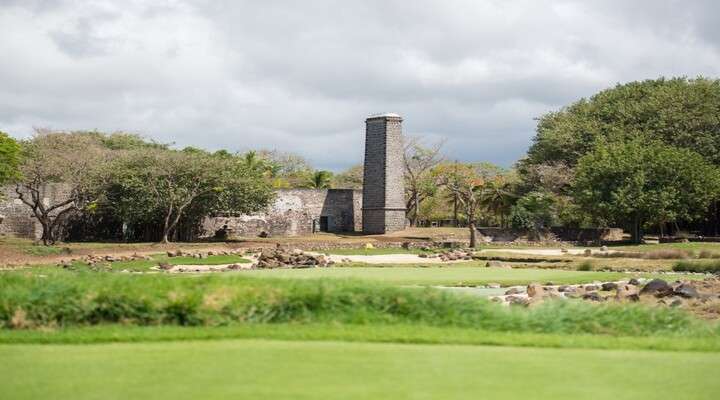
(498, 199)
(320, 180)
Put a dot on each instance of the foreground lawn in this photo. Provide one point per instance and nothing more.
(341, 370)
(448, 276)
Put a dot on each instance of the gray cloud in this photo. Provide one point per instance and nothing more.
(302, 76)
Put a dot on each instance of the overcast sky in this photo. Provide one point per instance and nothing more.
(302, 76)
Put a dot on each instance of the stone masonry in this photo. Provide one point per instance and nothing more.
(294, 212)
(383, 207)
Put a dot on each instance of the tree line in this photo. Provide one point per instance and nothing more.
(642, 156)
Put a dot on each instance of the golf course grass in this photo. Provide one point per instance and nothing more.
(340, 370)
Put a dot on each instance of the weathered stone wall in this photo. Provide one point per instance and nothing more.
(18, 218)
(295, 212)
(383, 184)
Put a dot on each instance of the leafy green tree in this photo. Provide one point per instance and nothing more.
(680, 112)
(151, 184)
(535, 212)
(463, 182)
(71, 161)
(351, 178)
(644, 182)
(419, 160)
(9, 159)
(320, 180)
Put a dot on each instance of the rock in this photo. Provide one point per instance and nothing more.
(493, 285)
(676, 303)
(591, 288)
(604, 248)
(587, 252)
(627, 292)
(423, 255)
(535, 290)
(369, 246)
(566, 288)
(165, 266)
(657, 288)
(687, 291)
(513, 290)
(518, 300)
(592, 296)
(406, 245)
(634, 281)
(608, 286)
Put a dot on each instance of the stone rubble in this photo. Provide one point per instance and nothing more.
(280, 258)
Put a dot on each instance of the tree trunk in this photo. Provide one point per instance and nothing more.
(166, 226)
(455, 210)
(416, 206)
(473, 234)
(636, 234)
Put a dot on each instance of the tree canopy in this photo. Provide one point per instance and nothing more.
(9, 158)
(638, 182)
(679, 111)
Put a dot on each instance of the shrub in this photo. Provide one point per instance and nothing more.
(71, 299)
(585, 266)
(698, 266)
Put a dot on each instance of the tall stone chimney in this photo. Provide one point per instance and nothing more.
(383, 206)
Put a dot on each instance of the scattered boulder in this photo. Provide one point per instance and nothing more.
(535, 290)
(634, 281)
(164, 266)
(296, 258)
(513, 290)
(493, 286)
(657, 288)
(592, 296)
(608, 286)
(627, 292)
(687, 291)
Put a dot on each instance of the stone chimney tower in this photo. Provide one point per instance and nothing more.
(383, 206)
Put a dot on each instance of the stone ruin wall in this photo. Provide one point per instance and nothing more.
(293, 212)
(18, 218)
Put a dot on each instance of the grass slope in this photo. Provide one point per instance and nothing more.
(324, 370)
(376, 333)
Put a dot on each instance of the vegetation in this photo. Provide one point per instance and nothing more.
(9, 158)
(65, 299)
(165, 185)
(72, 160)
(419, 162)
(641, 182)
(698, 266)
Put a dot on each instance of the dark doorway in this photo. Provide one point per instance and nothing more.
(324, 224)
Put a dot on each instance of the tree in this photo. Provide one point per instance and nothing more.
(498, 197)
(644, 182)
(69, 161)
(319, 180)
(145, 184)
(463, 181)
(680, 112)
(419, 161)
(535, 212)
(351, 178)
(9, 159)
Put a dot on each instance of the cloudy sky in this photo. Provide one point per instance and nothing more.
(301, 76)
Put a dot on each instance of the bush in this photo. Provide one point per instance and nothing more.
(89, 299)
(585, 266)
(698, 266)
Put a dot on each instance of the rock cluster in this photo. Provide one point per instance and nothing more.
(656, 291)
(200, 255)
(94, 261)
(280, 258)
(449, 255)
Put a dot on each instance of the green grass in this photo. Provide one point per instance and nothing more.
(448, 275)
(375, 333)
(81, 299)
(141, 265)
(333, 370)
(690, 246)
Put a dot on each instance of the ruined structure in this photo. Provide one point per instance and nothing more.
(383, 207)
(379, 208)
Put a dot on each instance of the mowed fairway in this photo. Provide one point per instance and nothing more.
(336, 370)
(449, 275)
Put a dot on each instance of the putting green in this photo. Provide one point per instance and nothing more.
(334, 370)
(449, 275)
